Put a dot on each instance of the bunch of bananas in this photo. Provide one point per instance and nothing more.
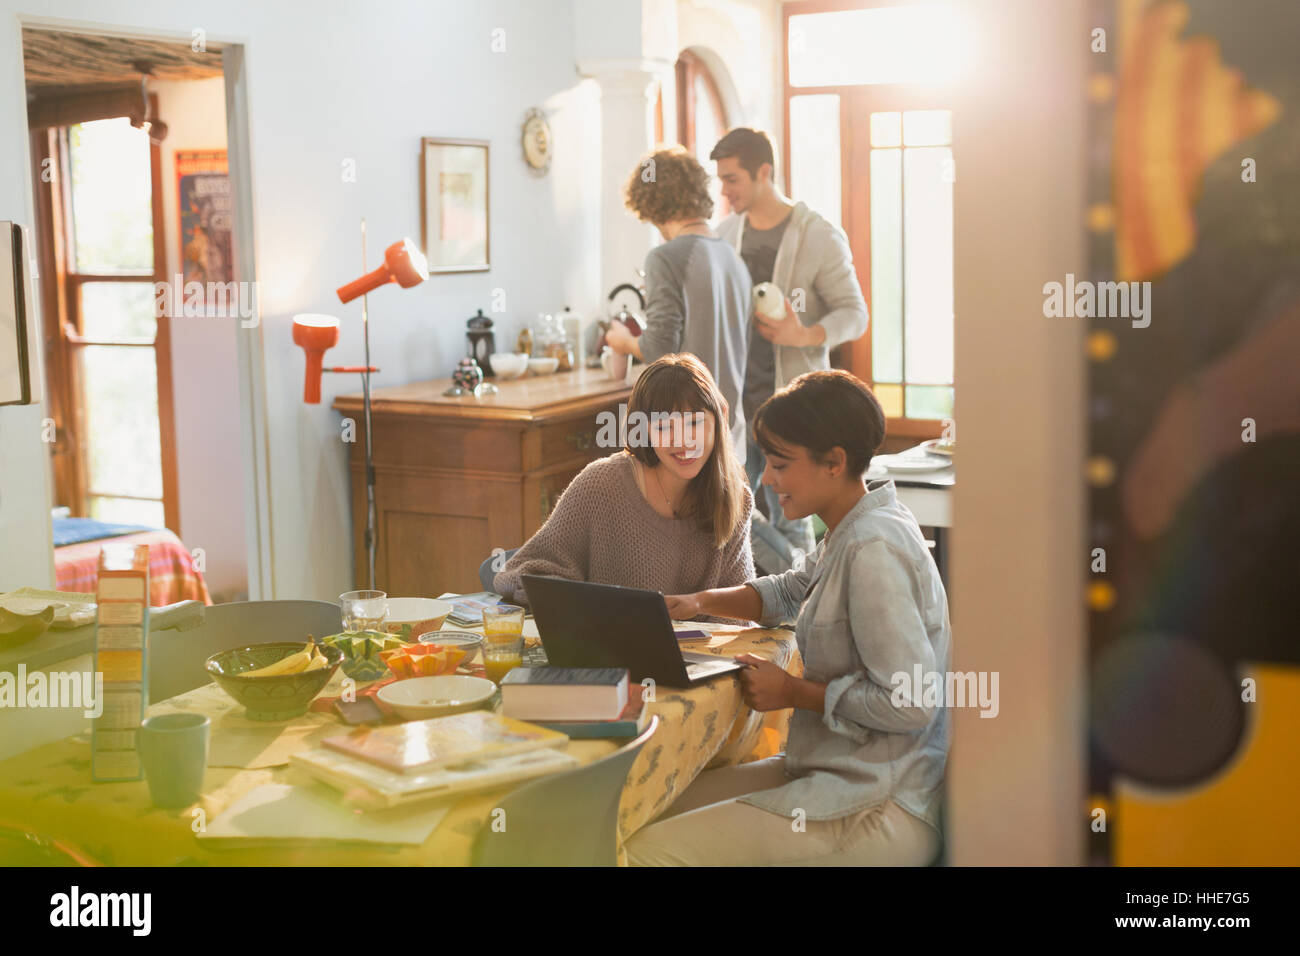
(308, 659)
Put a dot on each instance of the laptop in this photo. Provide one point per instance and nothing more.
(603, 625)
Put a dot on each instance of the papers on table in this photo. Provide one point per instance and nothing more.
(277, 812)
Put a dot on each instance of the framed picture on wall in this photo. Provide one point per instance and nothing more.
(20, 380)
(203, 205)
(454, 204)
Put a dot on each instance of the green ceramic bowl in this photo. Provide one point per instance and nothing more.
(279, 696)
(361, 650)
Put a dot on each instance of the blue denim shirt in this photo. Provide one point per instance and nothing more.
(870, 604)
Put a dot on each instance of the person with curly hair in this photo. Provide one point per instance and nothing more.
(697, 287)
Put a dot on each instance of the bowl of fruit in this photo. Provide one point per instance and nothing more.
(275, 681)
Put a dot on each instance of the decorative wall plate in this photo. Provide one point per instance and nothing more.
(536, 141)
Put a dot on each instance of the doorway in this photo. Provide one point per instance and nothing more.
(140, 172)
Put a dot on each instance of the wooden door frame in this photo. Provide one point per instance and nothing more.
(687, 68)
(61, 318)
(251, 354)
(856, 101)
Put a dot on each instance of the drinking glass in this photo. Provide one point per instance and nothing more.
(364, 610)
(503, 640)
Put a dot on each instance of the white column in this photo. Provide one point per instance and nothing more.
(628, 88)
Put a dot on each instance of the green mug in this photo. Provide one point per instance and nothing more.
(174, 754)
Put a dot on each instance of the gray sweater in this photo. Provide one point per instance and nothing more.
(697, 301)
(603, 530)
(814, 256)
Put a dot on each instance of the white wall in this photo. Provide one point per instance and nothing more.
(1016, 782)
(328, 82)
(205, 380)
(26, 540)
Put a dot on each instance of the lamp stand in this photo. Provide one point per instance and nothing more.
(371, 530)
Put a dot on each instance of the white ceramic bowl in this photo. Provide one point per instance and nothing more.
(419, 698)
(408, 618)
(508, 365)
(466, 641)
(543, 366)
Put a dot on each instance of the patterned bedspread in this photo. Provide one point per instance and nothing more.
(172, 576)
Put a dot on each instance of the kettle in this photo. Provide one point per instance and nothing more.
(633, 320)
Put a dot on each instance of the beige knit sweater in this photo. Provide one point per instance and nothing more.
(604, 531)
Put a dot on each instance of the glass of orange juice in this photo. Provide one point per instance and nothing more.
(503, 640)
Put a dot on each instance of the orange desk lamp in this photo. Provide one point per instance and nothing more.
(404, 264)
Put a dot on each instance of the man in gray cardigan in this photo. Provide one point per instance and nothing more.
(809, 260)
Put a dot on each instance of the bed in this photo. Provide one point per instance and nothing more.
(172, 576)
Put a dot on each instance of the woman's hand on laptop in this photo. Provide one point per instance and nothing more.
(740, 603)
(683, 607)
(763, 685)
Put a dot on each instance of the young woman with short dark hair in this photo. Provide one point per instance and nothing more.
(860, 780)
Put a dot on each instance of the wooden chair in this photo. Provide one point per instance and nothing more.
(176, 657)
(569, 819)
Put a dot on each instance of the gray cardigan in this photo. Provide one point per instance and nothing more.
(697, 301)
(870, 606)
(813, 256)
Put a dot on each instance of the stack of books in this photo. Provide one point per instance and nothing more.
(467, 609)
(576, 701)
(121, 637)
(428, 759)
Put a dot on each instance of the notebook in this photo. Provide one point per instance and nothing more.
(420, 745)
(276, 813)
(368, 785)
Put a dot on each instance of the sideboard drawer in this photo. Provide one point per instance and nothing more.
(407, 441)
(578, 437)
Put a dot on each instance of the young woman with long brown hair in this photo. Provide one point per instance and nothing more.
(669, 512)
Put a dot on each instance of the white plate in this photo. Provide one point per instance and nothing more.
(418, 698)
(938, 446)
(912, 464)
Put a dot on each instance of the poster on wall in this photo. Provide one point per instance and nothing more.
(454, 204)
(1194, 432)
(203, 184)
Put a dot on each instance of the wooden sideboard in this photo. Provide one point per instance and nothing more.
(457, 477)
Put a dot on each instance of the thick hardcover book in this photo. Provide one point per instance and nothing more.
(564, 693)
(627, 725)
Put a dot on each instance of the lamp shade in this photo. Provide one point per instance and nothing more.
(315, 333)
(404, 264)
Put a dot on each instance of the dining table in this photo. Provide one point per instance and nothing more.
(48, 790)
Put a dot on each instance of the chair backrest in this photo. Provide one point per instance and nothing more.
(486, 573)
(569, 819)
(176, 657)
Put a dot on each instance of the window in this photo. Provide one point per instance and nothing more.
(701, 117)
(912, 44)
(111, 365)
(869, 137)
(909, 176)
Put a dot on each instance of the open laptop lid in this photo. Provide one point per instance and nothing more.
(603, 625)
